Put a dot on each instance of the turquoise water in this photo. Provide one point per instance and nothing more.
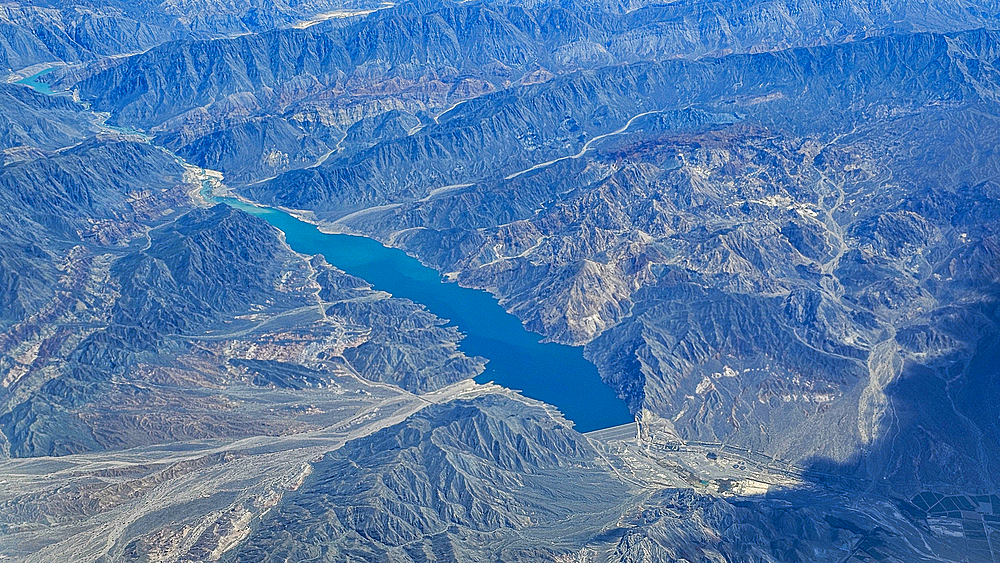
(553, 373)
(34, 83)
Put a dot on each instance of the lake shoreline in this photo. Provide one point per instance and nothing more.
(517, 358)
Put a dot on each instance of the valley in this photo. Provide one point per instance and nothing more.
(500, 281)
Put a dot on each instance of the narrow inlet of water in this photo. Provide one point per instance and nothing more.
(35, 83)
(553, 373)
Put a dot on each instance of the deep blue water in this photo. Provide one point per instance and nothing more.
(553, 373)
(34, 83)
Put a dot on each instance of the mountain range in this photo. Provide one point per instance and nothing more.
(772, 226)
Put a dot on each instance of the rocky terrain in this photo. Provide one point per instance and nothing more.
(771, 225)
(211, 299)
(36, 35)
(136, 320)
(761, 267)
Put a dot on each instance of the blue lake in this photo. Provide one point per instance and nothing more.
(36, 84)
(553, 373)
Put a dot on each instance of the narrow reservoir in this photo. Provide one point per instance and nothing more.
(553, 373)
